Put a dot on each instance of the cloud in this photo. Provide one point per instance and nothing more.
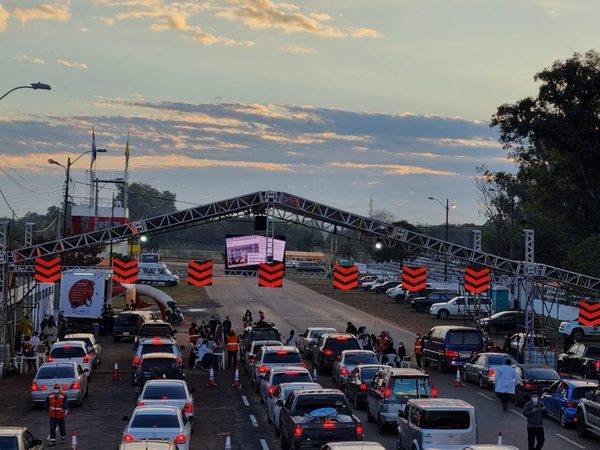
(209, 39)
(72, 64)
(83, 30)
(364, 32)
(4, 15)
(297, 49)
(106, 21)
(60, 12)
(27, 59)
(392, 169)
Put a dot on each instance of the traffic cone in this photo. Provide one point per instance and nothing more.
(211, 378)
(458, 380)
(315, 374)
(228, 442)
(499, 438)
(74, 445)
(116, 372)
(236, 379)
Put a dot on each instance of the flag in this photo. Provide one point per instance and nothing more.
(93, 148)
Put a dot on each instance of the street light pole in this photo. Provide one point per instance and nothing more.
(38, 85)
(447, 208)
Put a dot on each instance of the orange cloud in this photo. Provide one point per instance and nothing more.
(392, 169)
(72, 64)
(28, 59)
(3, 18)
(58, 12)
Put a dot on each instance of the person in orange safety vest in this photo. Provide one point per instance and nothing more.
(233, 342)
(58, 408)
(418, 350)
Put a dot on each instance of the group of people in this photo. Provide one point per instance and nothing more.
(30, 343)
(382, 345)
(248, 321)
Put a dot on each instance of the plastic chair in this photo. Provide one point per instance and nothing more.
(405, 363)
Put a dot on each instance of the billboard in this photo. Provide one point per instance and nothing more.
(247, 252)
(82, 293)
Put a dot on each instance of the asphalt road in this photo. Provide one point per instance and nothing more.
(226, 409)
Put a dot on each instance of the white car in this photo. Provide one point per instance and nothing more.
(282, 374)
(159, 422)
(169, 393)
(250, 358)
(93, 346)
(280, 395)
(72, 351)
(309, 338)
(461, 305)
(392, 292)
(577, 331)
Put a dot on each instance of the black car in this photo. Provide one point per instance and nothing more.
(422, 304)
(261, 331)
(357, 384)
(532, 378)
(581, 359)
(329, 347)
(381, 288)
(158, 366)
(127, 323)
(503, 322)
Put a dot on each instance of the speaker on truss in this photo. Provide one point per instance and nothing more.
(260, 223)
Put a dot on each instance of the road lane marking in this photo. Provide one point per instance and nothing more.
(517, 413)
(566, 439)
(253, 420)
(486, 396)
(264, 445)
(245, 400)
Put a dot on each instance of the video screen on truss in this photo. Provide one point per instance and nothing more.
(247, 252)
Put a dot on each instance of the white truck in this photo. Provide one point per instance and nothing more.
(577, 331)
(152, 271)
(462, 305)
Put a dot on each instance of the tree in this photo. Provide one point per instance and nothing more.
(146, 201)
(555, 140)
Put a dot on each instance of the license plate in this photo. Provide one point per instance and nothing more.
(125, 333)
(465, 354)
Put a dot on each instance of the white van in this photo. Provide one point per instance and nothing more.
(156, 273)
(429, 423)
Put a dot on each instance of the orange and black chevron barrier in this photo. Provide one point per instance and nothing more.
(125, 271)
(345, 278)
(47, 270)
(414, 278)
(589, 314)
(270, 274)
(200, 273)
(477, 281)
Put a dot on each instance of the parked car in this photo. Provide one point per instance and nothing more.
(358, 383)
(581, 359)
(308, 339)
(461, 306)
(269, 357)
(282, 374)
(280, 394)
(482, 368)
(71, 351)
(329, 346)
(577, 331)
(517, 344)
(170, 393)
(391, 389)
(127, 323)
(261, 331)
(300, 429)
(437, 423)
(587, 421)
(503, 322)
(156, 366)
(422, 304)
(451, 346)
(19, 438)
(254, 348)
(347, 361)
(93, 346)
(158, 422)
(310, 266)
(561, 399)
(72, 378)
(381, 288)
(532, 378)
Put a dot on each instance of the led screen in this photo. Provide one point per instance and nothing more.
(248, 251)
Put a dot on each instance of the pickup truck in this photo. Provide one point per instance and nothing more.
(582, 359)
(311, 419)
(576, 331)
(19, 438)
(587, 421)
(461, 306)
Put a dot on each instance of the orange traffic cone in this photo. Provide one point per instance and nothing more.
(236, 379)
(211, 378)
(116, 372)
(458, 380)
(74, 445)
(499, 438)
(228, 442)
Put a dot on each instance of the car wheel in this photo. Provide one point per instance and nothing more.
(580, 427)
(482, 383)
(420, 308)
(577, 334)
(563, 420)
(443, 314)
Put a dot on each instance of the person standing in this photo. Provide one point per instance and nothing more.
(50, 331)
(351, 328)
(25, 326)
(232, 349)
(401, 351)
(226, 325)
(58, 409)
(534, 412)
(247, 319)
(505, 380)
(291, 340)
(418, 350)
(261, 316)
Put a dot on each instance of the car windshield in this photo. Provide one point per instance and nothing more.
(68, 351)
(465, 338)
(8, 443)
(265, 334)
(501, 314)
(155, 421)
(369, 373)
(445, 420)
(157, 348)
(290, 377)
(127, 320)
(541, 374)
(498, 360)
(361, 359)
(155, 330)
(309, 403)
(160, 366)
(405, 388)
(579, 393)
(318, 333)
(337, 345)
(55, 372)
(282, 357)
(162, 392)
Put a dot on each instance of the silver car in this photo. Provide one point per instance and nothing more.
(71, 351)
(273, 356)
(73, 380)
(170, 393)
(147, 445)
(308, 339)
(282, 374)
(280, 395)
(250, 358)
(347, 361)
(93, 346)
(160, 423)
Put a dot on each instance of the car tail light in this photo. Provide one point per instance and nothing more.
(491, 372)
(127, 438)
(328, 352)
(342, 338)
(180, 439)
(451, 354)
(156, 338)
(598, 365)
(76, 385)
(66, 386)
(136, 361)
(44, 387)
(529, 386)
(363, 387)
(272, 389)
(434, 392)
(344, 371)
(35, 387)
(388, 392)
(50, 359)
(188, 408)
(140, 404)
(571, 405)
(329, 425)
(90, 354)
(359, 431)
(298, 431)
(302, 364)
(179, 361)
(281, 352)
(67, 347)
(263, 369)
(86, 359)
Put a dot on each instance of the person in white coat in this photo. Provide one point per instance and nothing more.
(505, 380)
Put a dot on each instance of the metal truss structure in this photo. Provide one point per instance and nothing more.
(295, 209)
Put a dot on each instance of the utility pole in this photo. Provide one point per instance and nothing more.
(446, 239)
(66, 200)
(371, 206)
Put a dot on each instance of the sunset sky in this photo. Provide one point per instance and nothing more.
(334, 100)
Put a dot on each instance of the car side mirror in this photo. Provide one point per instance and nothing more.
(192, 390)
(126, 418)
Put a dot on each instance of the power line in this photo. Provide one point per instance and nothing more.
(9, 207)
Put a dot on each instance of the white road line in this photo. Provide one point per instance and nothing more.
(253, 420)
(566, 439)
(264, 445)
(486, 396)
(517, 413)
(245, 400)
